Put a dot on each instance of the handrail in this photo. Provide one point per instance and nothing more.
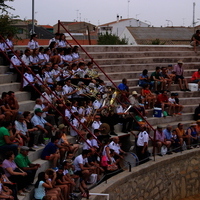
(24, 65)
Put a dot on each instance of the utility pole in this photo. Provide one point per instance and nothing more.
(193, 14)
(33, 31)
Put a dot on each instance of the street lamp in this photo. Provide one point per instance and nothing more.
(33, 31)
(168, 22)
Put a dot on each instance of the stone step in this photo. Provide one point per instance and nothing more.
(3, 69)
(186, 109)
(137, 54)
(26, 105)
(119, 48)
(191, 100)
(165, 120)
(140, 67)
(5, 87)
(7, 78)
(144, 60)
(22, 96)
(118, 75)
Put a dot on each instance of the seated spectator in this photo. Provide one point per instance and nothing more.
(144, 79)
(41, 185)
(195, 40)
(63, 183)
(148, 98)
(21, 127)
(12, 101)
(197, 113)
(166, 78)
(25, 164)
(5, 192)
(15, 174)
(70, 147)
(171, 73)
(157, 81)
(176, 108)
(179, 71)
(75, 55)
(124, 89)
(175, 142)
(163, 102)
(10, 114)
(51, 152)
(135, 103)
(192, 138)
(26, 57)
(33, 131)
(181, 135)
(118, 152)
(82, 171)
(198, 128)
(43, 126)
(88, 144)
(161, 141)
(6, 139)
(196, 78)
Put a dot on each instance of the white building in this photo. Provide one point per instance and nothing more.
(117, 27)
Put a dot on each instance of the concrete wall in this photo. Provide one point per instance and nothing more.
(170, 177)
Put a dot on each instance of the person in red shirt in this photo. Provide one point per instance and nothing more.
(196, 78)
(163, 102)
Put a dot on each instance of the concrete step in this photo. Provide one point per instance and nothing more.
(165, 120)
(26, 105)
(7, 78)
(3, 69)
(140, 67)
(136, 54)
(118, 48)
(5, 87)
(22, 96)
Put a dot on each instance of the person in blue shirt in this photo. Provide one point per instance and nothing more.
(51, 152)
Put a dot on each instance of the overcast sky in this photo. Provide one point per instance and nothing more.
(156, 12)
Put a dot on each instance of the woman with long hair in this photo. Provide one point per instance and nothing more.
(33, 43)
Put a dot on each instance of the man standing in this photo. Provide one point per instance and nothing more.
(142, 145)
(25, 164)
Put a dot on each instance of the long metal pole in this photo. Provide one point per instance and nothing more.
(33, 31)
(193, 14)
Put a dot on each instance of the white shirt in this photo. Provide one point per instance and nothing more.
(66, 90)
(15, 61)
(142, 138)
(96, 125)
(2, 46)
(34, 59)
(97, 104)
(171, 100)
(26, 59)
(46, 96)
(29, 77)
(115, 147)
(78, 160)
(120, 109)
(10, 44)
(86, 146)
(55, 73)
(54, 40)
(33, 44)
(94, 143)
(48, 77)
(74, 123)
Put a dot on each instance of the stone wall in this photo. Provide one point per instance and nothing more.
(170, 177)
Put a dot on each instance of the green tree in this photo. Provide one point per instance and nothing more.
(6, 21)
(109, 39)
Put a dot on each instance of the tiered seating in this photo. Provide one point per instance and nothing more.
(124, 62)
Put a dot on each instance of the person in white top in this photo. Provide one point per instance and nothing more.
(55, 39)
(62, 41)
(97, 123)
(142, 145)
(68, 90)
(9, 47)
(26, 57)
(33, 43)
(15, 61)
(88, 143)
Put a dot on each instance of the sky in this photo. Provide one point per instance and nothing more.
(154, 12)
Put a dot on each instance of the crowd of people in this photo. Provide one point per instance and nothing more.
(70, 98)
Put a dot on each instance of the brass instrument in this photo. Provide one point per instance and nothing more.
(93, 73)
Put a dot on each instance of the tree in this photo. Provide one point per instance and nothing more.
(109, 39)
(6, 21)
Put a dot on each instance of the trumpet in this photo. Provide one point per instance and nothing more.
(75, 86)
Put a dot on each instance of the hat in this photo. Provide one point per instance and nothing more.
(198, 121)
(24, 148)
(91, 85)
(193, 124)
(180, 62)
(159, 127)
(134, 93)
(80, 83)
(37, 110)
(61, 126)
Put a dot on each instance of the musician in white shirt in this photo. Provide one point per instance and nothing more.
(33, 43)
